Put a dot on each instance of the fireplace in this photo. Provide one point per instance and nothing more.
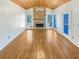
(40, 25)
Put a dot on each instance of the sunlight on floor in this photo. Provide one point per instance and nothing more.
(49, 35)
(40, 54)
(29, 36)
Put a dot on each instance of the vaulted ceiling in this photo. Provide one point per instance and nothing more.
(26, 4)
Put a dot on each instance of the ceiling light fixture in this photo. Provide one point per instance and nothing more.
(39, 9)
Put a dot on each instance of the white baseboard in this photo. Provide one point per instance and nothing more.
(7, 40)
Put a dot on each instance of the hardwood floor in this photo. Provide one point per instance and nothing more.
(40, 44)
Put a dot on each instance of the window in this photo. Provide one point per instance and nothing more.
(49, 21)
(66, 17)
(29, 21)
(55, 21)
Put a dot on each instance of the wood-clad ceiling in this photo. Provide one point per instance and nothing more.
(26, 4)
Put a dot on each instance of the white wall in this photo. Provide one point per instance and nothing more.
(75, 21)
(73, 9)
(12, 22)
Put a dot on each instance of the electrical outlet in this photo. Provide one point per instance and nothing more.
(72, 37)
(8, 36)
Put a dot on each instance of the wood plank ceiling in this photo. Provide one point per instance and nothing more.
(52, 4)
